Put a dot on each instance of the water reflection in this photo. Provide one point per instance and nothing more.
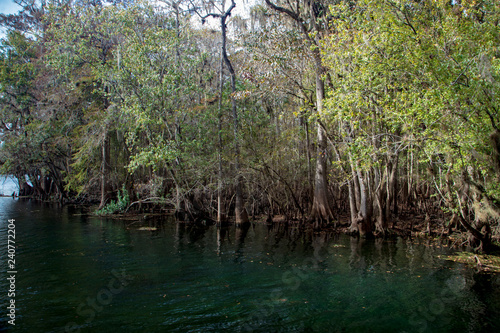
(241, 232)
(222, 231)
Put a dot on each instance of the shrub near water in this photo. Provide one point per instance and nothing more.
(118, 206)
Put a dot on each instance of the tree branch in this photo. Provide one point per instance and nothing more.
(287, 11)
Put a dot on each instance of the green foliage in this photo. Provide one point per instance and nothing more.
(417, 73)
(118, 206)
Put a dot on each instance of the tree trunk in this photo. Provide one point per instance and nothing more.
(381, 199)
(308, 151)
(392, 193)
(356, 190)
(220, 206)
(364, 216)
(321, 209)
(352, 207)
(241, 215)
(105, 167)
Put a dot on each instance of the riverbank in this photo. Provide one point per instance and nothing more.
(407, 224)
(412, 226)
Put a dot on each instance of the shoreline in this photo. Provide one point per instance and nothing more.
(406, 225)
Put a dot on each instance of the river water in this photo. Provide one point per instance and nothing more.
(76, 273)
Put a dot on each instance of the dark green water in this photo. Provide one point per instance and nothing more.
(77, 273)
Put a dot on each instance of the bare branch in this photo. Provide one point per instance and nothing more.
(287, 11)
